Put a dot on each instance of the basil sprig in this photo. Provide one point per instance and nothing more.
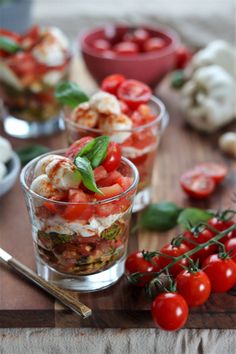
(95, 151)
(87, 175)
(70, 94)
(9, 45)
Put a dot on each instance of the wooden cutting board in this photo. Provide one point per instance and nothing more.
(24, 305)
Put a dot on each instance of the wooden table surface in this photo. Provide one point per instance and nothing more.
(24, 305)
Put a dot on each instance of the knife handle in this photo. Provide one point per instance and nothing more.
(63, 296)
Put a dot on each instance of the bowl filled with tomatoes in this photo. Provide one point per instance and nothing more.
(80, 212)
(30, 67)
(133, 118)
(144, 53)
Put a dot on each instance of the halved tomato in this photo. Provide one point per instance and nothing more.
(75, 148)
(112, 82)
(109, 192)
(197, 185)
(134, 93)
(214, 170)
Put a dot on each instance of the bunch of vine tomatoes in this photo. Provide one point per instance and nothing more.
(191, 280)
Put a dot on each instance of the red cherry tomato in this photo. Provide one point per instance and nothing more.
(112, 82)
(230, 246)
(183, 56)
(136, 262)
(75, 148)
(222, 225)
(101, 45)
(197, 185)
(113, 158)
(140, 35)
(221, 272)
(134, 93)
(174, 251)
(195, 287)
(154, 44)
(214, 170)
(170, 311)
(203, 236)
(126, 48)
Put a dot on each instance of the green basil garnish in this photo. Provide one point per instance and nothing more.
(193, 216)
(70, 94)
(160, 216)
(87, 175)
(95, 151)
(9, 45)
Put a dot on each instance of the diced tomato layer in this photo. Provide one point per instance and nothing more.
(100, 173)
(142, 115)
(111, 178)
(81, 211)
(109, 192)
(125, 182)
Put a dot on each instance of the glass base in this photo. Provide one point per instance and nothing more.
(23, 129)
(85, 283)
(142, 199)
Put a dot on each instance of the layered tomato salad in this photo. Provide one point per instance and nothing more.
(30, 66)
(126, 111)
(81, 206)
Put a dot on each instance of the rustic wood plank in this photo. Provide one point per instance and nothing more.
(23, 305)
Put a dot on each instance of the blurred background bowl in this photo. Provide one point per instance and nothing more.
(13, 169)
(147, 67)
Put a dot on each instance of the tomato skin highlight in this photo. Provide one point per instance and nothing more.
(136, 262)
(174, 251)
(197, 185)
(221, 272)
(111, 83)
(170, 311)
(222, 225)
(195, 287)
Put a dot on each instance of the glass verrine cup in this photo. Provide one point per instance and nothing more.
(87, 253)
(140, 147)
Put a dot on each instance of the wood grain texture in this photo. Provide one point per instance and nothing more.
(24, 305)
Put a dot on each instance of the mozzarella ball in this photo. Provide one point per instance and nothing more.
(43, 186)
(63, 174)
(5, 150)
(117, 127)
(42, 164)
(85, 116)
(227, 143)
(105, 103)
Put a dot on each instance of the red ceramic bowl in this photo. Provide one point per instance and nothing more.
(147, 67)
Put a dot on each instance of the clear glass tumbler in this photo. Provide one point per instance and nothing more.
(27, 104)
(88, 253)
(140, 147)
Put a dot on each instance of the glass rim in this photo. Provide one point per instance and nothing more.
(27, 189)
(159, 118)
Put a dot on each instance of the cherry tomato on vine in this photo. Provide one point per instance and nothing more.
(196, 184)
(195, 287)
(113, 158)
(136, 262)
(174, 251)
(134, 93)
(203, 236)
(221, 272)
(230, 245)
(214, 170)
(170, 311)
(221, 225)
(112, 82)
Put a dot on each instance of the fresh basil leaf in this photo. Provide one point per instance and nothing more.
(29, 152)
(160, 216)
(86, 171)
(70, 94)
(95, 151)
(193, 216)
(9, 45)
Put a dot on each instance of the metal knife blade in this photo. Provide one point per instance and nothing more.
(4, 255)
